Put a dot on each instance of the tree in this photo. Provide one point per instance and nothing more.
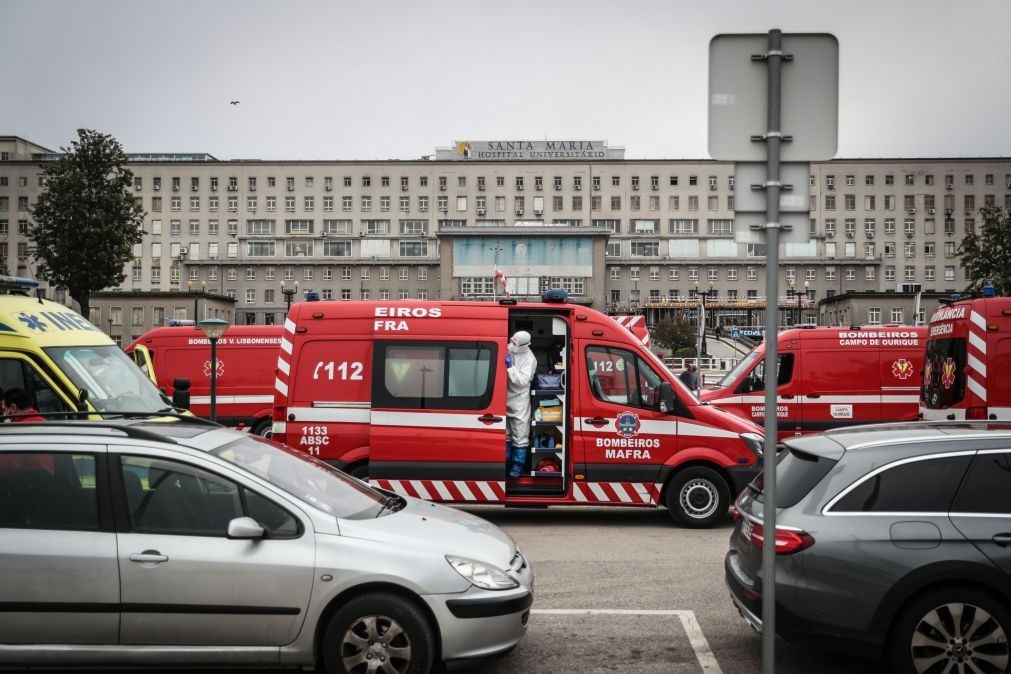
(986, 252)
(674, 334)
(86, 220)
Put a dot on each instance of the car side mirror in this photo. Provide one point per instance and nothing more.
(82, 400)
(245, 528)
(666, 397)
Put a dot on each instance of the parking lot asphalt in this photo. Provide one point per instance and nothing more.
(639, 573)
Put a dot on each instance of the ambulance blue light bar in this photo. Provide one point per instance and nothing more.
(176, 322)
(989, 291)
(17, 283)
(555, 296)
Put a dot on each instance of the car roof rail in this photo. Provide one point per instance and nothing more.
(130, 431)
(107, 414)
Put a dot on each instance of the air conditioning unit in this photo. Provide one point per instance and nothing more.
(558, 188)
(909, 235)
(235, 188)
(291, 188)
(480, 187)
(712, 187)
(830, 188)
(930, 211)
(175, 188)
(213, 257)
(443, 209)
(539, 188)
(138, 187)
(156, 188)
(403, 188)
(635, 187)
(481, 211)
(949, 186)
(869, 235)
(908, 287)
(830, 234)
(656, 188)
(849, 235)
(519, 187)
(596, 188)
(538, 211)
(442, 187)
(519, 211)
(910, 210)
(577, 186)
(947, 211)
(252, 188)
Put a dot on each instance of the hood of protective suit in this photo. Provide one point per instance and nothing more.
(520, 342)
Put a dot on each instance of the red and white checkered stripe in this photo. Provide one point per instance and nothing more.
(475, 491)
(284, 364)
(632, 493)
(636, 325)
(976, 356)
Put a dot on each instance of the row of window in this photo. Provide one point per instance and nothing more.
(910, 179)
(292, 248)
(270, 273)
(810, 274)
(909, 202)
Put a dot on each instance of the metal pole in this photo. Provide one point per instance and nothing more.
(774, 62)
(214, 380)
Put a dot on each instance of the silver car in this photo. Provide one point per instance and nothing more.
(181, 543)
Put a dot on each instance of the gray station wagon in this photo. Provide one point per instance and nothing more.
(890, 540)
(182, 543)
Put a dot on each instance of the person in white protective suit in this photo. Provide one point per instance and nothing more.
(521, 365)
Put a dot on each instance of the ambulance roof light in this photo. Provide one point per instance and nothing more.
(509, 302)
(176, 322)
(312, 296)
(555, 296)
(989, 291)
(17, 283)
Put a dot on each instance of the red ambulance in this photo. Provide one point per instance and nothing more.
(412, 395)
(967, 359)
(830, 377)
(247, 358)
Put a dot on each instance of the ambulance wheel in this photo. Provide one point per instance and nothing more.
(698, 497)
(379, 627)
(263, 428)
(360, 470)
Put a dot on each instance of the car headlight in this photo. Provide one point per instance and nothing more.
(754, 442)
(482, 575)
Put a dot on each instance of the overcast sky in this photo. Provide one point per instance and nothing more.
(393, 80)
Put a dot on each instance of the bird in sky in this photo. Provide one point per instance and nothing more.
(235, 102)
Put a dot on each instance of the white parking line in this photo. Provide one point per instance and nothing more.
(691, 626)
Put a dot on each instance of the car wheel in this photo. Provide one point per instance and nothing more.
(263, 428)
(698, 497)
(382, 633)
(953, 629)
(361, 471)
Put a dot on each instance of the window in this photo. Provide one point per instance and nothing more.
(721, 227)
(684, 227)
(53, 490)
(165, 497)
(298, 226)
(985, 488)
(413, 248)
(924, 485)
(250, 296)
(337, 249)
(889, 226)
(298, 248)
(619, 377)
(874, 315)
(378, 227)
(435, 375)
(260, 227)
(645, 248)
(896, 315)
(256, 249)
(949, 273)
(756, 380)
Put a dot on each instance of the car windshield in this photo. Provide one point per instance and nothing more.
(307, 479)
(113, 382)
(742, 367)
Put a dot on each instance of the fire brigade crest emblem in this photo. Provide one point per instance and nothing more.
(928, 369)
(948, 373)
(220, 368)
(902, 369)
(627, 424)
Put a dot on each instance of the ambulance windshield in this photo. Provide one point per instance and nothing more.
(742, 367)
(113, 382)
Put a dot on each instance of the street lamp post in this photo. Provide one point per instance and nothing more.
(289, 293)
(792, 292)
(702, 319)
(196, 297)
(214, 328)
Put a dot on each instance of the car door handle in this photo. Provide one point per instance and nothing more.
(787, 397)
(489, 419)
(596, 421)
(814, 396)
(1002, 540)
(148, 557)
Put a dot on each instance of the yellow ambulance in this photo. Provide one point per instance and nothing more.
(64, 362)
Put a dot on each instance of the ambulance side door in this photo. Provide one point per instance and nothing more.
(328, 398)
(843, 387)
(19, 371)
(439, 417)
(621, 433)
(788, 399)
(899, 369)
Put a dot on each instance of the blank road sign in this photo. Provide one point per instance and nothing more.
(738, 92)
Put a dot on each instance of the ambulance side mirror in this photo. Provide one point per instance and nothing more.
(82, 400)
(181, 393)
(666, 398)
